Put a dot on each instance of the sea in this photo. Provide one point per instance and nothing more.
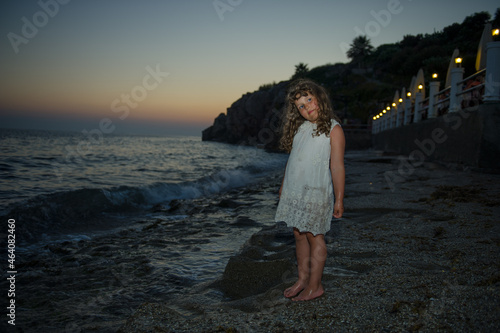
(48, 175)
(103, 224)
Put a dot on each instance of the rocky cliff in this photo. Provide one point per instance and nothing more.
(254, 119)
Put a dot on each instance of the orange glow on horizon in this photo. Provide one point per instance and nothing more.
(161, 106)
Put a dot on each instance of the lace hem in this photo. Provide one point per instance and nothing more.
(314, 217)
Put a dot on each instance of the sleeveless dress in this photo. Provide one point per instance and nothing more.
(306, 201)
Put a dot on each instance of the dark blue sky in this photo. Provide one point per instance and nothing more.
(178, 64)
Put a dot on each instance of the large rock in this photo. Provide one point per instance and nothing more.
(216, 132)
(244, 277)
(266, 260)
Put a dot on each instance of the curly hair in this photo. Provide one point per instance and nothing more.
(292, 118)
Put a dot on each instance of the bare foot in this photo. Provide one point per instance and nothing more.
(294, 290)
(309, 294)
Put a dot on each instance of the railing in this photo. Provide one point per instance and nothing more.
(461, 94)
(443, 104)
(481, 87)
(473, 89)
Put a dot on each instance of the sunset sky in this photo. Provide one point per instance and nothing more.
(170, 67)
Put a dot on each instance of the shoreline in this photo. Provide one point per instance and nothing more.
(96, 283)
(421, 257)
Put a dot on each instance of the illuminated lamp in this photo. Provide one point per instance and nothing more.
(495, 34)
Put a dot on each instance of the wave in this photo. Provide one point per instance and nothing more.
(87, 209)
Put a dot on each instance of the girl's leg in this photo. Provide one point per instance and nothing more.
(318, 257)
(303, 253)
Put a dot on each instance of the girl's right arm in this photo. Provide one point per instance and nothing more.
(337, 145)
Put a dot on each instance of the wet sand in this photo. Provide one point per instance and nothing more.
(420, 254)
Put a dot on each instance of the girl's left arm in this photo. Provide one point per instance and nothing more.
(337, 144)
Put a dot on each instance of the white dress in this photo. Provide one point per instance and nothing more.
(306, 201)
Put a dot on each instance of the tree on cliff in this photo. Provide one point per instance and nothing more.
(361, 47)
(301, 71)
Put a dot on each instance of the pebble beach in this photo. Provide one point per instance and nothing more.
(419, 255)
(417, 250)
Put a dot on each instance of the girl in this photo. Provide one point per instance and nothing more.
(315, 141)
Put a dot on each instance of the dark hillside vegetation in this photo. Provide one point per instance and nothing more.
(359, 88)
(369, 83)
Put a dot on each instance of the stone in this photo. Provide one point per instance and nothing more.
(244, 277)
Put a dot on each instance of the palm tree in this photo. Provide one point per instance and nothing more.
(360, 49)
